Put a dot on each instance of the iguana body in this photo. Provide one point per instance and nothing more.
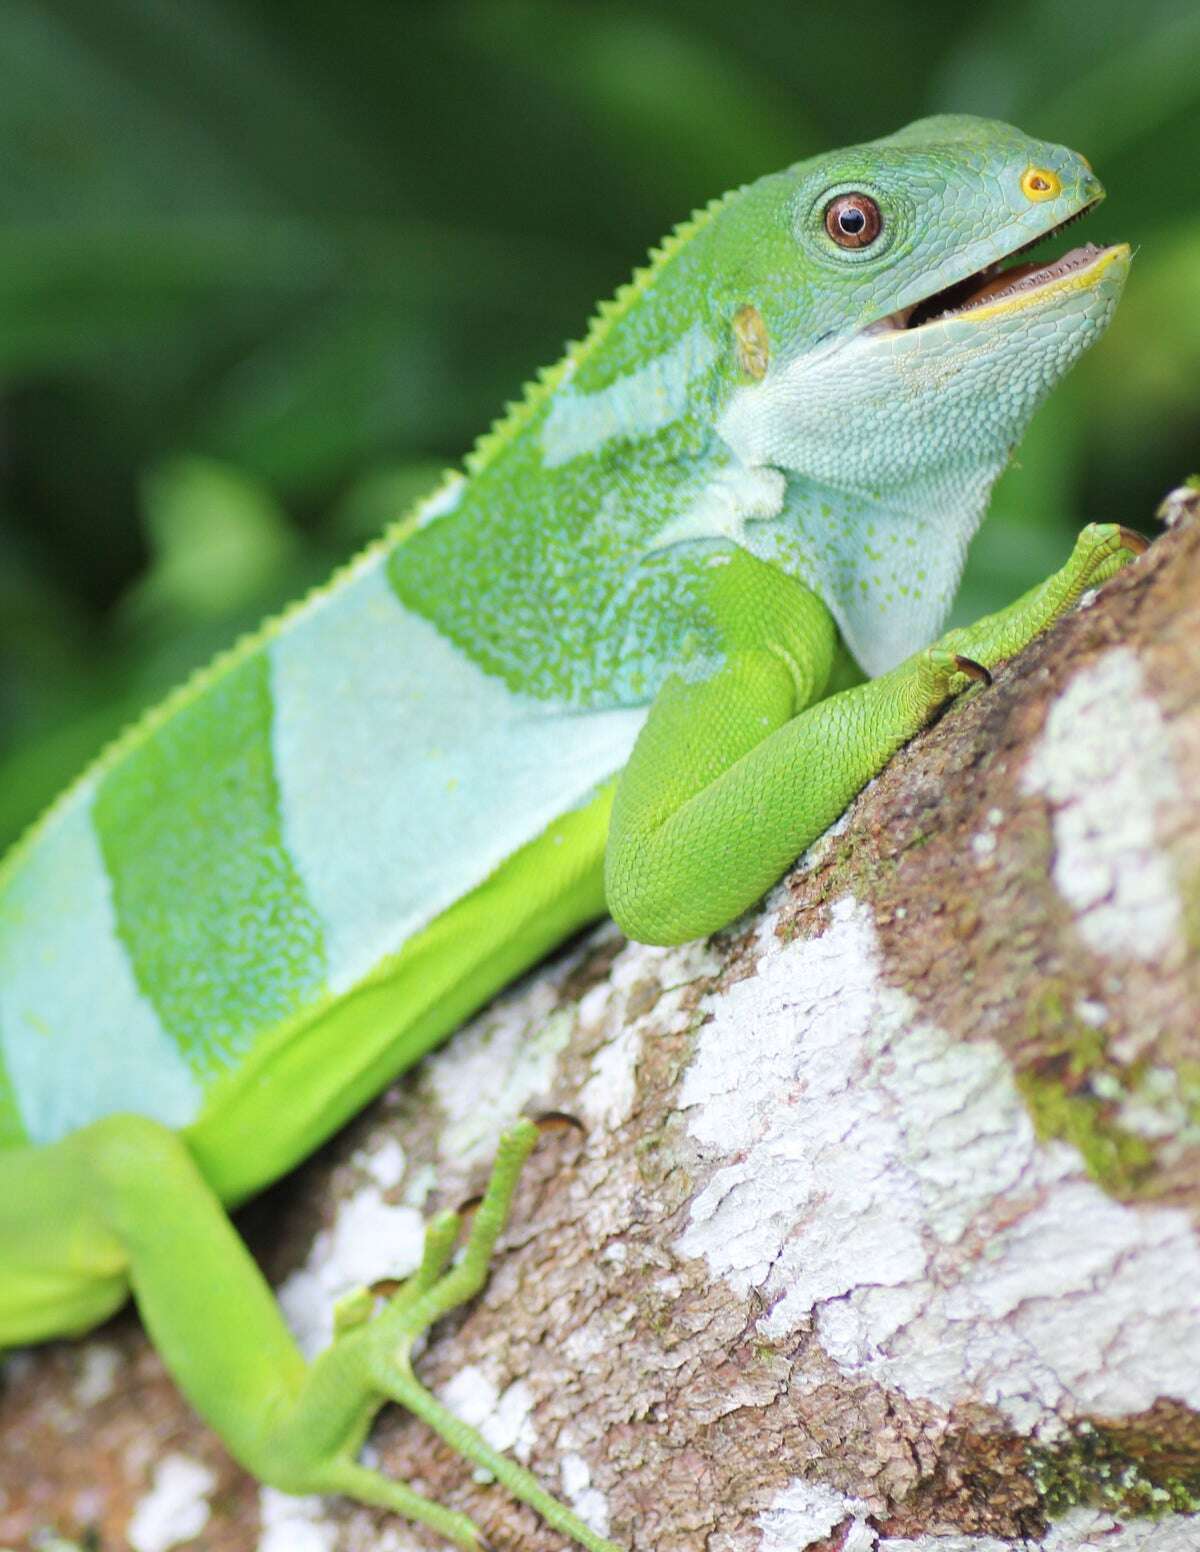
(760, 468)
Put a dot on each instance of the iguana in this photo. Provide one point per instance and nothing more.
(618, 663)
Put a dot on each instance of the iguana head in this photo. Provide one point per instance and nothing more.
(890, 343)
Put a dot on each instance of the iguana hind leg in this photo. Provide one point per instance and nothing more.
(378, 1352)
(132, 1206)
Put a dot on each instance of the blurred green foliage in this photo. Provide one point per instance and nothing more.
(266, 267)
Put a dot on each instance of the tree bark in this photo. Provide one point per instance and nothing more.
(879, 1234)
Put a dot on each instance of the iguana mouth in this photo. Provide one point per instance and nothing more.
(993, 283)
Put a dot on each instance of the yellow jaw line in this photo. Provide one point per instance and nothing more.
(1061, 286)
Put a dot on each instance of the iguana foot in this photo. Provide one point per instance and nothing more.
(370, 1362)
(1101, 550)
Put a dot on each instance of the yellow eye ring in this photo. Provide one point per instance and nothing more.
(1038, 183)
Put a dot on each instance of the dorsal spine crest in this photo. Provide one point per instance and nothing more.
(608, 312)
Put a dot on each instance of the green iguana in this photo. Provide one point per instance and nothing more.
(619, 663)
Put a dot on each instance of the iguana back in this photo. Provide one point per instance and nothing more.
(262, 842)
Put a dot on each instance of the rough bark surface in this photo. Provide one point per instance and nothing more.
(881, 1231)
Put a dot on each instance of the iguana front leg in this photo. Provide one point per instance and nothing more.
(732, 777)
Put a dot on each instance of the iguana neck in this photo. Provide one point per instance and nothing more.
(887, 565)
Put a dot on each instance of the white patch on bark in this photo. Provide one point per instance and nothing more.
(290, 1524)
(1080, 1530)
(884, 1187)
(983, 845)
(588, 1502)
(176, 1508)
(504, 1418)
(390, 1540)
(1104, 764)
(1158, 1110)
(100, 1362)
(806, 1512)
(384, 1162)
(494, 1066)
(607, 1097)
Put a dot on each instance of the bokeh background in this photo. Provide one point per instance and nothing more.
(266, 266)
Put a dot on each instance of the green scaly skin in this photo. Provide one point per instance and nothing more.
(609, 667)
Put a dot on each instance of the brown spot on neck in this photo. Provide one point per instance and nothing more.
(751, 343)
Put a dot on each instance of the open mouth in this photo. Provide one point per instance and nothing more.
(993, 283)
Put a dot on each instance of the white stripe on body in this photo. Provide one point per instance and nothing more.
(636, 405)
(79, 1039)
(406, 774)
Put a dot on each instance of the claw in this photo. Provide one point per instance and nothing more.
(557, 1120)
(548, 1121)
(385, 1287)
(972, 669)
(1136, 543)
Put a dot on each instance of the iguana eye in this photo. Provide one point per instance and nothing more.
(1038, 183)
(853, 220)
